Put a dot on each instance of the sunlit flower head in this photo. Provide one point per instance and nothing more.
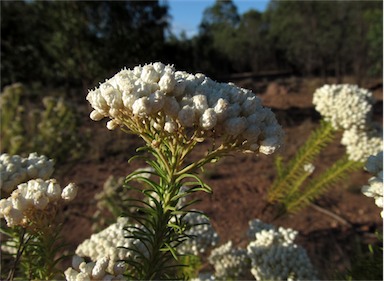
(157, 100)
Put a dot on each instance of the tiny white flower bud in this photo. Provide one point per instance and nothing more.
(69, 192)
(167, 83)
(76, 261)
(142, 107)
(187, 116)
(112, 124)
(208, 119)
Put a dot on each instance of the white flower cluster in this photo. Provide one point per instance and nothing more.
(229, 262)
(345, 106)
(374, 166)
(309, 168)
(102, 269)
(108, 243)
(349, 108)
(360, 144)
(172, 101)
(32, 197)
(15, 170)
(274, 255)
(203, 235)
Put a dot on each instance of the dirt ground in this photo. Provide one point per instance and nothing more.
(240, 183)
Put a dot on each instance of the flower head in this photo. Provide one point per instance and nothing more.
(110, 242)
(360, 144)
(157, 100)
(33, 202)
(15, 169)
(229, 262)
(102, 269)
(345, 106)
(203, 235)
(275, 256)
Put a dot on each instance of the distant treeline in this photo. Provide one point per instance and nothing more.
(77, 43)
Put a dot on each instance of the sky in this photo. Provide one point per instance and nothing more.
(187, 14)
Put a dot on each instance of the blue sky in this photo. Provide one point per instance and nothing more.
(187, 14)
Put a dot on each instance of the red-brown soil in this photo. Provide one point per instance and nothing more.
(240, 183)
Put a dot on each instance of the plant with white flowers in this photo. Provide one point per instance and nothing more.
(271, 254)
(32, 214)
(275, 256)
(173, 111)
(342, 107)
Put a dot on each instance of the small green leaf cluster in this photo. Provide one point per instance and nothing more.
(293, 187)
(160, 208)
(52, 131)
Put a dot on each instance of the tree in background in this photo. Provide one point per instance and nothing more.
(323, 38)
(219, 23)
(74, 43)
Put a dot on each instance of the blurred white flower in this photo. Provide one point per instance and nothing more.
(203, 235)
(15, 169)
(345, 106)
(360, 144)
(229, 262)
(274, 255)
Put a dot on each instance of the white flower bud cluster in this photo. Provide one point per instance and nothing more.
(173, 101)
(360, 144)
(107, 243)
(229, 262)
(374, 166)
(345, 106)
(32, 197)
(274, 255)
(102, 269)
(309, 168)
(203, 235)
(15, 170)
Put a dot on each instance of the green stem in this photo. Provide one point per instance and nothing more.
(20, 250)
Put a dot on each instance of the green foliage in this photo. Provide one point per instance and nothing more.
(74, 43)
(191, 268)
(321, 183)
(160, 207)
(53, 131)
(292, 187)
(292, 175)
(374, 37)
(32, 253)
(368, 263)
(12, 129)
